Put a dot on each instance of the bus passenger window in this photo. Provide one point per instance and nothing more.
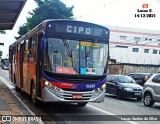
(32, 49)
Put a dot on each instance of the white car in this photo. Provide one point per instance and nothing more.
(151, 90)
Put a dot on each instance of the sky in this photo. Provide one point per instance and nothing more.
(103, 12)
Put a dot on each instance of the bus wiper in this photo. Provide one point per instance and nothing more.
(91, 48)
(68, 49)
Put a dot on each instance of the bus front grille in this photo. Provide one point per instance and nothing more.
(67, 95)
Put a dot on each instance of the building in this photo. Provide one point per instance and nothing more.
(135, 46)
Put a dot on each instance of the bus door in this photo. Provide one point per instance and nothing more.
(21, 64)
(11, 64)
(39, 63)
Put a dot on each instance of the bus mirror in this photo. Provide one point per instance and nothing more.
(43, 44)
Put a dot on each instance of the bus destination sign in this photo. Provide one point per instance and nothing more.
(84, 29)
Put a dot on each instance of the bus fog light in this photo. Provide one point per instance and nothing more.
(51, 87)
(57, 90)
(96, 90)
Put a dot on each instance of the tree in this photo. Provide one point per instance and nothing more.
(1, 54)
(46, 9)
(2, 32)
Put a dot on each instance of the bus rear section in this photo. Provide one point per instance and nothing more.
(71, 62)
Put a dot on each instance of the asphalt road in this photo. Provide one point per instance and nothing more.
(96, 113)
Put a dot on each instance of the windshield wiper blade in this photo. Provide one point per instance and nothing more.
(91, 48)
(68, 48)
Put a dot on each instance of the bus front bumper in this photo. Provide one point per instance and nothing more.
(66, 96)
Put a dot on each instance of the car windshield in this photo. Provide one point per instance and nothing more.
(75, 57)
(5, 61)
(125, 79)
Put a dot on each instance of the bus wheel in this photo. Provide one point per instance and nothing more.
(17, 89)
(33, 96)
(82, 104)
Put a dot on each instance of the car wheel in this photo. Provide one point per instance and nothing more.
(139, 99)
(82, 104)
(119, 95)
(148, 99)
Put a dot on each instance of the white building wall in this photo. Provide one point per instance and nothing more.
(126, 55)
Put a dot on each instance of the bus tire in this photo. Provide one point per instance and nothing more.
(17, 89)
(33, 96)
(82, 104)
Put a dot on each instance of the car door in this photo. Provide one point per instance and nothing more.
(156, 87)
(108, 89)
(112, 84)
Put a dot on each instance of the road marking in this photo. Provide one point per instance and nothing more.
(109, 113)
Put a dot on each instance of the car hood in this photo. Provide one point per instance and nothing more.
(132, 85)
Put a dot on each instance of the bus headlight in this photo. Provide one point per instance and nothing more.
(51, 87)
(100, 89)
(46, 83)
(104, 86)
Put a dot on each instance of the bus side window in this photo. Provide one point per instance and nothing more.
(26, 52)
(32, 48)
(14, 54)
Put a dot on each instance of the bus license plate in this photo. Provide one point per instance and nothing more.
(77, 96)
(137, 94)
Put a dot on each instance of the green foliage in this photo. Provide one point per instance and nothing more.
(1, 54)
(46, 9)
(2, 32)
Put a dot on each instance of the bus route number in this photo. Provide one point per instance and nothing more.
(90, 86)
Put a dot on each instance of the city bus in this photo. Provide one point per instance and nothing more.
(4, 64)
(61, 61)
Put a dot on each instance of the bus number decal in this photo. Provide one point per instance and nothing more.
(90, 86)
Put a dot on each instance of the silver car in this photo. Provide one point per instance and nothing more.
(151, 90)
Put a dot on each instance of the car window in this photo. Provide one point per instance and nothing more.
(125, 79)
(156, 79)
(150, 75)
(130, 75)
(136, 76)
(108, 77)
(113, 78)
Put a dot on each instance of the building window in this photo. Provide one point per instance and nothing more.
(135, 49)
(154, 51)
(121, 46)
(123, 37)
(145, 39)
(150, 39)
(158, 40)
(146, 50)
(159, 51)
(137, 38)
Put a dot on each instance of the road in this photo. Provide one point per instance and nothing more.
(95, 112)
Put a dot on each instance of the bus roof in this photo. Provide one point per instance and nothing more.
(61, 21)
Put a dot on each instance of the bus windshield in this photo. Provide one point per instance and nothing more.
(75, 57)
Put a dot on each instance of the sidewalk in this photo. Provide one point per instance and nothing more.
(10, 106)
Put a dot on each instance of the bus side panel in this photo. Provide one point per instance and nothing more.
(29, 72)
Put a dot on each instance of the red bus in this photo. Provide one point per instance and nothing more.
(61, 61)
